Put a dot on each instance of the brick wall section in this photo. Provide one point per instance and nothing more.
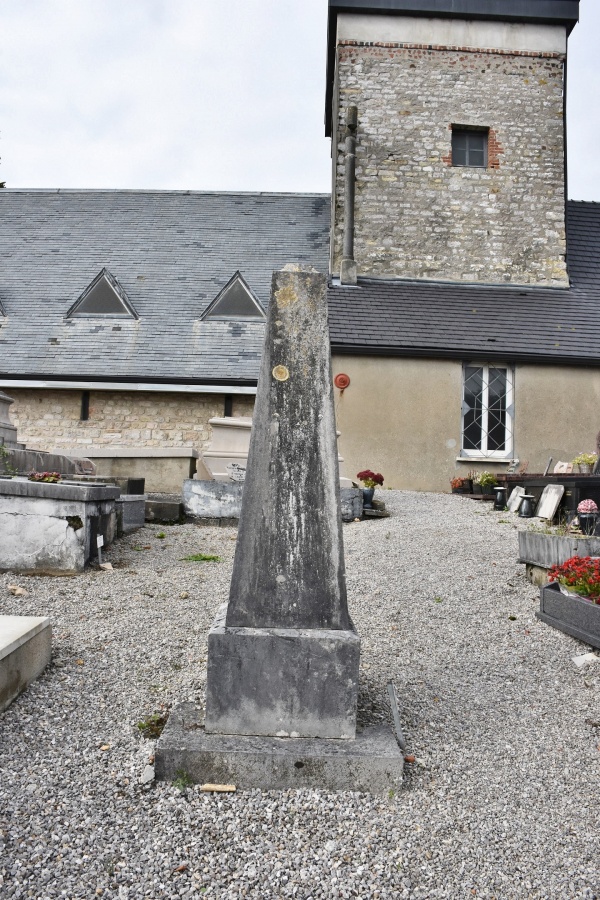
(49, 419)
(417, 216)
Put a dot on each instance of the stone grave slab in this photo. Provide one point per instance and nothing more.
(25, 651)
(514, 501)
(550, 501)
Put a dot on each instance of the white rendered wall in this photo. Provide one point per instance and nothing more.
(453, 33)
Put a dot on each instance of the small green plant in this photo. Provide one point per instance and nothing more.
(438, 599)
(201, 557)
(487, 479)
(5, 468)
(161, 535)
(391, 794)
(183, 780)
(152, 726)
(585, 459)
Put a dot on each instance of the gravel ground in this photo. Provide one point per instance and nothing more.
(502, 801)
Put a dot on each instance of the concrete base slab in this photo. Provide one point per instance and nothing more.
(25, 651)
(372, 762)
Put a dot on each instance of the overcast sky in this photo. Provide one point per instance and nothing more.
(200, 94)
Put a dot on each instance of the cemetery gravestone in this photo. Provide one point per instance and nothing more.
(514, 501)
(283, 655)
(550, 501)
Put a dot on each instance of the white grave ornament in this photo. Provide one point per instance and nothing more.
(550, 501)
(514, 501)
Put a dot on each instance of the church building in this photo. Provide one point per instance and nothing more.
(464, 288)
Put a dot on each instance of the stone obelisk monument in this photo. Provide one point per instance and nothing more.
(283, 655)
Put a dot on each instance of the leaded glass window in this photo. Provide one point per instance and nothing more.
(487, 411)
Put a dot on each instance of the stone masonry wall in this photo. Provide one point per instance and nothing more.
(417, 216)
(49, 419)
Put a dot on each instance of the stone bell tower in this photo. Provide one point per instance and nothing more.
(452, 115)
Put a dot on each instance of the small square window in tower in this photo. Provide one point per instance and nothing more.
(469, 146)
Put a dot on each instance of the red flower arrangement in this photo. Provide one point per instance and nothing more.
(587, 506)
(580, 575)
(49, 477)
(370, 479)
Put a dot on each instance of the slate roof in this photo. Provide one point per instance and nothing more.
(462, 321)
(172, 251)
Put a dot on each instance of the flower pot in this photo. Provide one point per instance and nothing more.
(500, 498)
(526, 509)
(584, 468)
(571, 614)
(368, 498)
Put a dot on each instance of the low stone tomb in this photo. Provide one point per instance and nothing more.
(539, 551)
(131, 513)
(212, 499)
(217, 500)
(53, 527)
(25, 651)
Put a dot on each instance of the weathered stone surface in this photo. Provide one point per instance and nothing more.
(163, 511)
(53, 527)
(23, 461)
(282, 681)
(208, 500)
(8, 432)
(352, 503)
(50, 419)
(25, 651)
(131, 512)
(546, 550)
(289, 566)
(283, 656)
(372, 762)
(417, 215)
(212, 499)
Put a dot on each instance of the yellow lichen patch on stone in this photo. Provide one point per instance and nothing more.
(285, 296)
(281, 373)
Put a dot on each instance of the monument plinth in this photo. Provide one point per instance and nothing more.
(283, 655)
